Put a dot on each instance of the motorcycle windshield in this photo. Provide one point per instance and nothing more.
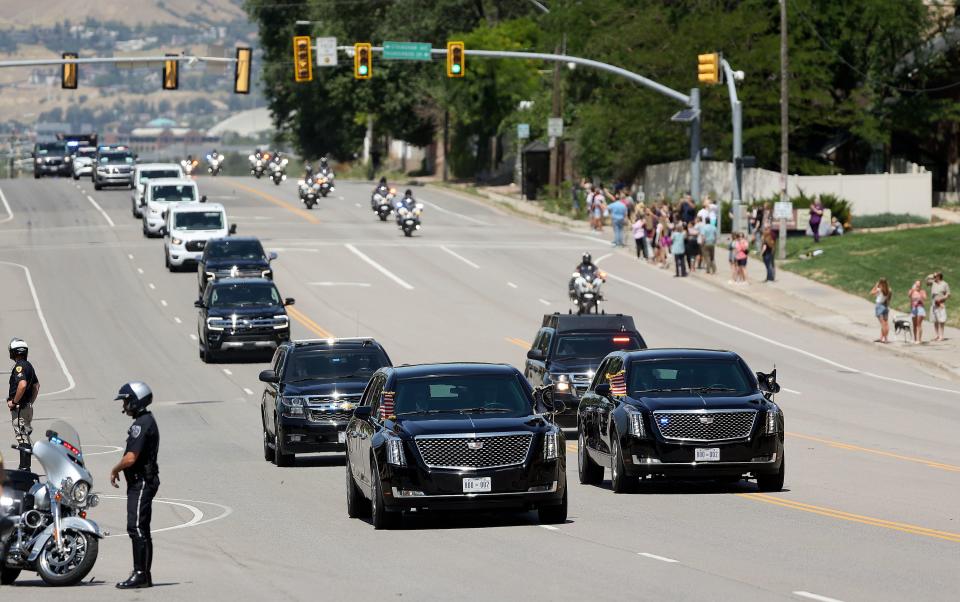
(65, 437)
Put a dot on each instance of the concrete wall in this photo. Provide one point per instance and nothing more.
(869, 194)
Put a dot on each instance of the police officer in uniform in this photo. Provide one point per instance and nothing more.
(139, 466)
(24, 388)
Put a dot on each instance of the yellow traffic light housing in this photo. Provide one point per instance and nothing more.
(171, 74)
(708, 68)
(455, 59)
(362, 61)
(68, 75)
(302, 59)
(241, 74)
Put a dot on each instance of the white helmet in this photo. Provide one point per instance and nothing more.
(18, 347)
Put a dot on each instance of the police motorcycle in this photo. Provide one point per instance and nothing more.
(258, 163)
(49, 532)
(408, 212)
(214, 163)
(278, 168)
(584, 287)
(189, 164)
(325, 178)
(309, 188)
(382, 199)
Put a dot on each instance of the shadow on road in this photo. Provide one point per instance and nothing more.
(701, 487)
(437, 520)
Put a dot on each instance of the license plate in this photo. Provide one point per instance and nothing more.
(707, 454)
(342, 437)
(481, 485)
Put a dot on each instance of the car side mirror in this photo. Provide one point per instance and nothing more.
(768, 382)
(198, 303)
(233, 229)
(272, 255)
(535, 354)
(203, 198)
(269, 376)
(603, 390)
(363, 412)
(289, 301)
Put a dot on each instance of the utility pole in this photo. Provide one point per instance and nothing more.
(557, 112)
(695, 148)
(784, 124)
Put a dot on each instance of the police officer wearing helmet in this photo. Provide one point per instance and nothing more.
(24, 388)
(139, 466)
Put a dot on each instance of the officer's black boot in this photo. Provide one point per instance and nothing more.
(148, 562)
(25, 457)
(138, 578)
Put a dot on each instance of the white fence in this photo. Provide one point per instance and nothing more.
(868, 194)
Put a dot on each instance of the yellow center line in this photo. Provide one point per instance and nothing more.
(518, 342)
(283, 205)
(312, 326)
(856, 518)
(867, 450)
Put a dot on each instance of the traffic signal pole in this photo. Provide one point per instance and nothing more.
(737, 118)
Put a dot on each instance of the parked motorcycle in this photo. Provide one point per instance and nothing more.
(585, 290)
(215, 164)
(278, 170)
(50, 533)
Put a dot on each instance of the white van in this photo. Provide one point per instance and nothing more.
(188, 228)
(144, 172)
(160, 195)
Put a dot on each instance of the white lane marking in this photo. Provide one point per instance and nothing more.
(811, 596)
(152, 286)
(100, 209)
(544, 301)
(778, 343)
(247, 391)
(177, 320)
(363, 284)
(140, 270)
(655, 557)
(111, 449)
(379, 267)
(194, 337)
(46, 329)
(163, 302)
(460, 257)
(227, 372)
(602, 257)
(548, 527)
(6, 206)
(83, 191)
(511, 285)
(460, 215)
(340, 198)
(792, 391)
(195, 521)
(129, 256)
(357, 204)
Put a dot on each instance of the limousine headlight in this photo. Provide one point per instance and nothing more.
(551, 446)
(395, 455)
(635, 422)
(773, 426)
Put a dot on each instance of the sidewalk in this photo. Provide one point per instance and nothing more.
(814, 304)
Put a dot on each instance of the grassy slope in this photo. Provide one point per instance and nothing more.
(24, 15)
(855, 262)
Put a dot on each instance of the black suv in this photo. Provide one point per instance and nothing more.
(454, 436)
(241, 315)
(681, 413)
(51, 159)
(568, 349)
(113, 166)
(311, 390)
(234, 257)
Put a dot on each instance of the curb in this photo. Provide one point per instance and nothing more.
(951, 372)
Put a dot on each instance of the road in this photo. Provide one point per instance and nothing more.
(869, 511)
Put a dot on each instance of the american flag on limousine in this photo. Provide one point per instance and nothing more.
(386, 405)
(618, 383)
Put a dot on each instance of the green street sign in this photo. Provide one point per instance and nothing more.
(406, 51)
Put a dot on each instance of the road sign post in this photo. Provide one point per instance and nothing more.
(326, 52)
(407, 51)
(523, 131)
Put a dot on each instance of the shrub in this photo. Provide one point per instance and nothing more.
(884, 220)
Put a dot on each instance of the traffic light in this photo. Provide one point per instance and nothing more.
(302, 59)
(455, 66)
(708, 68)
(68, 75)
(171, 74)
(362, 61)
(241, 74)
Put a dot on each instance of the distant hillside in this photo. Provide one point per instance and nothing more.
(27, 15)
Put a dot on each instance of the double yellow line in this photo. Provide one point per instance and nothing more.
(282, 204)
(856, 518)
(309, 324)
(877, 452)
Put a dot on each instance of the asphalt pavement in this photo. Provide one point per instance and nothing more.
(869, 511)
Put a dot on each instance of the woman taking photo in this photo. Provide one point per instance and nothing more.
(882, 308)
(918, 298)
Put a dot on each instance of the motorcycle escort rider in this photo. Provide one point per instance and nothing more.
(24, 388)
(140, 470)
(325, 171)
(585, 272)
(382, 189)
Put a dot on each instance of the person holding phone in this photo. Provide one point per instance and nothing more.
(918, 298)
(882, 308)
